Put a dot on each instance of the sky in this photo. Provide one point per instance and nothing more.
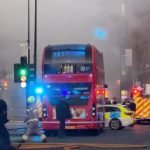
(71, 21)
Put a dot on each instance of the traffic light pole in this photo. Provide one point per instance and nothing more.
(28, 32)
(35, 40)
(27, 87)
(32, 67)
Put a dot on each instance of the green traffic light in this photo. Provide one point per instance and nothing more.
(23, 72)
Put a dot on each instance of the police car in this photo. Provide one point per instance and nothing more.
(116, 116)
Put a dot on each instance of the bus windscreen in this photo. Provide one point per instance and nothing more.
(76, 94)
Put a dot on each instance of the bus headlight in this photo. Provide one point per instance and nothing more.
(44, 115)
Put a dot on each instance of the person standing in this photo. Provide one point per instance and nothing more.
(4, 135)
(132, 106)
(107, 101)
(32, 123)
(62, 113)
(114, 101)
(126, 102)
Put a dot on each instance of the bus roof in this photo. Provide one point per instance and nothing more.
(68, 46)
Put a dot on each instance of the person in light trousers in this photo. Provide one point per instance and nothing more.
(32, 123)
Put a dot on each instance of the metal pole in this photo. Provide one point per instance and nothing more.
(28, 32)
(28, 41)
(35, 39)
(123, 47)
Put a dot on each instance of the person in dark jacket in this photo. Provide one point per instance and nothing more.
(132, 106)
(4, 135)
(114, 101)
(62, 113)
(107, 101)
(126, 102)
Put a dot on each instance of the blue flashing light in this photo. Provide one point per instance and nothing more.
(39, 90)
(101, 33)
(67, 97)
(76, 92)
(64, 92)
(48, 86)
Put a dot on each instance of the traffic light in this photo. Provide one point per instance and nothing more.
(24, 72)
(21, 70)
(21, 74)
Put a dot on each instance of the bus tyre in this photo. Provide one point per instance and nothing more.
(115, 124)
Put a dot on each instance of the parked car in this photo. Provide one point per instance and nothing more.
(116, 116)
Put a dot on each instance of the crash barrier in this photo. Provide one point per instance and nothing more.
(75, 146)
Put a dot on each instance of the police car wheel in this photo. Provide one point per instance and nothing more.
(115, 124)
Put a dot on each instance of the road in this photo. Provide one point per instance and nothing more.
(139, 134)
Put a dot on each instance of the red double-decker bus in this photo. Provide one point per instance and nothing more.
(72, 71)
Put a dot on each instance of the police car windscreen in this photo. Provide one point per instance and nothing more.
(76, 94)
